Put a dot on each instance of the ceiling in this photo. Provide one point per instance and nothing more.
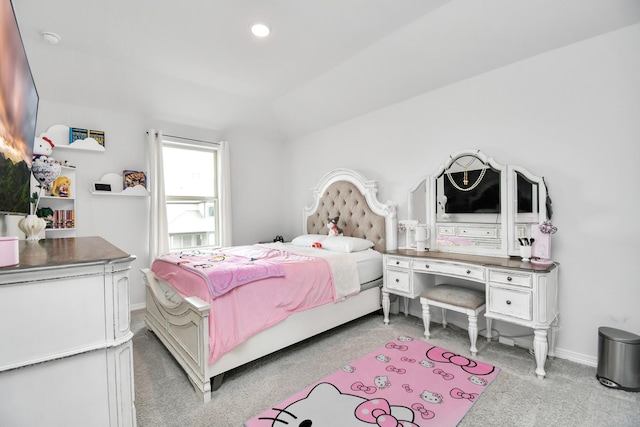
(195, 62)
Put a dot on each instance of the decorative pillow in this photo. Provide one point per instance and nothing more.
(346, 244)
(308, 239)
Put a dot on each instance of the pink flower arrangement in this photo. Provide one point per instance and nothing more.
(547, 228)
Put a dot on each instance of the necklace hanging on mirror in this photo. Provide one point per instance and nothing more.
(465, 175)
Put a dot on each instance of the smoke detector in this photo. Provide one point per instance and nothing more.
(51, 38)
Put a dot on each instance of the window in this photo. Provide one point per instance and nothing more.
(190, 178)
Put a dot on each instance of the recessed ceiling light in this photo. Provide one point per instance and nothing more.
(50, 38)
(260, 29)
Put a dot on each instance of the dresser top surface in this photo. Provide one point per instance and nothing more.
(65, 251)
(486, 261)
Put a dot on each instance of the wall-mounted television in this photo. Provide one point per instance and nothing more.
(483, 198)
(18, 112)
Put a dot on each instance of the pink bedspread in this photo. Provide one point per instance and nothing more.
(250, 308)
(223, 270)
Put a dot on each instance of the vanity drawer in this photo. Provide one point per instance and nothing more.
(398, 262)
(510, 278)
(487, 232)
(398, 280)
(510, 302)
(446, 230)
(464, 271)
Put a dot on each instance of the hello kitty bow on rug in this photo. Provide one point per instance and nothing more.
(378, 412)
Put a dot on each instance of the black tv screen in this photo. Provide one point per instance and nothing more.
(18, 112)
(483, 198)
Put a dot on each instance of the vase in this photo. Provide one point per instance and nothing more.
(32, 226)
(525, 253)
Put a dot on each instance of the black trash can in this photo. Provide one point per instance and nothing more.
(618, 359)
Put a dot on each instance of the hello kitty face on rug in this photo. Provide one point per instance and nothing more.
(382, 358)
(405, 338)
(427, 364)
(382, 381)
(348, 369)
(477, 380)
(326, 406)
(431, 397)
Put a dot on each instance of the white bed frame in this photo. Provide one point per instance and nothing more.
(182, 324)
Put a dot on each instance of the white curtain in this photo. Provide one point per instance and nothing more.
(158, 225)
(224, 193)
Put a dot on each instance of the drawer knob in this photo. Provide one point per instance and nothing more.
(508, 302)
(509, 278)
(397, 280)
(468, 271)
(397, 262)
(426, 266)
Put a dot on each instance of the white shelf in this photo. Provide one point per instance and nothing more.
(59, 134)
(45, 197)
(127, 192)
(115, 181)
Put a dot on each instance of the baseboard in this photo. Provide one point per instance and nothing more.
(527, 343)
(139, 306)
(583, 359)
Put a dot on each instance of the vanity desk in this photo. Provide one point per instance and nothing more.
(517, 292)
(478, 222)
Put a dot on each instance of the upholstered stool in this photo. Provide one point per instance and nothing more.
(459, 299)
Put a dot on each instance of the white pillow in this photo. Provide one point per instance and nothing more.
(308, 239)
(346, 244)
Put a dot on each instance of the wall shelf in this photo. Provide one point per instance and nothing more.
(59, 134)
(116, 181)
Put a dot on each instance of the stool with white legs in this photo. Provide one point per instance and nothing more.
(455, 298)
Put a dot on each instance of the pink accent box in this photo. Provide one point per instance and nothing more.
(8, 251)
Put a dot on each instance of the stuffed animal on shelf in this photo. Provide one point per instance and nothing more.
(42, 148)
(332, 225)
(61, 187)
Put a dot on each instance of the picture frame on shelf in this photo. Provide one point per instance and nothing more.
(132, 178)
(77, 134)
(98, 135)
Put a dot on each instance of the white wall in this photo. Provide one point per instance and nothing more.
(571, 115)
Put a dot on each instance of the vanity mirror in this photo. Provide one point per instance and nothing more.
(475, 205)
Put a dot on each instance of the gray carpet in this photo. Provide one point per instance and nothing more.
(570, 395)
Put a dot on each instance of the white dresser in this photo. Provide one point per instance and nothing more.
(66, 354)
(517, 292)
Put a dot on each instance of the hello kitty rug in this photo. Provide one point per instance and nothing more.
(406, 382)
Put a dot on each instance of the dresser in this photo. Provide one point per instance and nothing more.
(517, 292)
(66, 355)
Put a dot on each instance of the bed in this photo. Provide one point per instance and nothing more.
(183, 323)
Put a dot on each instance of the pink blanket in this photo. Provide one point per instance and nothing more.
(223, 270)
(251, 308)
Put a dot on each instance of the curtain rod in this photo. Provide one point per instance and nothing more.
(186, 139)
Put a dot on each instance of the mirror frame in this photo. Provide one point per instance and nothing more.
(504, 231)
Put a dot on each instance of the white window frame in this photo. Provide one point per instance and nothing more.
(195, 145)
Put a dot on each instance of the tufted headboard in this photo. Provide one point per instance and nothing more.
(346, 194)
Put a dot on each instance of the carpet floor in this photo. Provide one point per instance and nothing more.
(570, 395)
